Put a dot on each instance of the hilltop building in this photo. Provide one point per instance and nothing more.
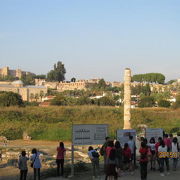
(18, 73)
(28, 93)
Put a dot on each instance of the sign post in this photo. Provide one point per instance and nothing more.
(153, 132)
(87, 134)
(122, 135)
(72, 160)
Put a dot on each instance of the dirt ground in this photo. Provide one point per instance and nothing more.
(12, 172)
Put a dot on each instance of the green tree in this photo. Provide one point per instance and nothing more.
(41, 94)
(106, 101)
(83, 100)
(164, 103)
(59, 100)
(171, 81)
(177, 103)
(41, 76)
(58, 74)
(10, 99)
(146, 101)
(28, 79)
(36, 97)
(73, 79)
(31, 97)
(149, 78)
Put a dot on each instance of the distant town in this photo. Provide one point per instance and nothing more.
(42, 88)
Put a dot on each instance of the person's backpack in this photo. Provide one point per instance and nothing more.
(95, 154)
(102, 150)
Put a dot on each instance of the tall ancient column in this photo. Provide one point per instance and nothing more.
(127, 98)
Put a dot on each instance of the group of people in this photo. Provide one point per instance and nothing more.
(118, 159)
(36, 163)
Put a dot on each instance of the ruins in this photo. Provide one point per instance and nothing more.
(127, 98)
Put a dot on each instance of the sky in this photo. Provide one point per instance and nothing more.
(93, 38)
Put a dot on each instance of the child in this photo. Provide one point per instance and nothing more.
(22, 164)
(94, 157)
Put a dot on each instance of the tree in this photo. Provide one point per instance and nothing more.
(172, 81)
(36, 96)
(73, 79)
(83, 100)
(106, 101)
(164, 103)
(41, 94)
(146, 101)
(59, 100)
(149, 78)
(146, 90)
(28, 79)
(41, 76)
(58, 74)
(10, 99)
(177, 103)
(31, 96)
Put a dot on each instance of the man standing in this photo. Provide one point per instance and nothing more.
(132, 146)
(103, 150)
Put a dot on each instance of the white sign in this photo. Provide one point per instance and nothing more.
(123, 135)
(88, 134)
(153, 132)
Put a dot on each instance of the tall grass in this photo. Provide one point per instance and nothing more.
(54, 123)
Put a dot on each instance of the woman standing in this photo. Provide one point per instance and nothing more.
(119, 157)
(175, 150)
(151, 146)
(143, 160)
(163, 157)
(127, 157)
(61, 151)
(110, 161)
(36, 164)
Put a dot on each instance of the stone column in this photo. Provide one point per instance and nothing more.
(127, 98)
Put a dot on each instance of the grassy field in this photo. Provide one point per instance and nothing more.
(54, 123)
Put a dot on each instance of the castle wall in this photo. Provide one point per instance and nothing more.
(71, 86)
(8, 89)
(5, 71)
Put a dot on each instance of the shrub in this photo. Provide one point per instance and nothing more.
(164, 103)
(10, 99)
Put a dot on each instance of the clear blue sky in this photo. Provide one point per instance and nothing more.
(93, 38)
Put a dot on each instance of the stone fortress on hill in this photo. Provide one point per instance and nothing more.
(18, 87)
(18, 73)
